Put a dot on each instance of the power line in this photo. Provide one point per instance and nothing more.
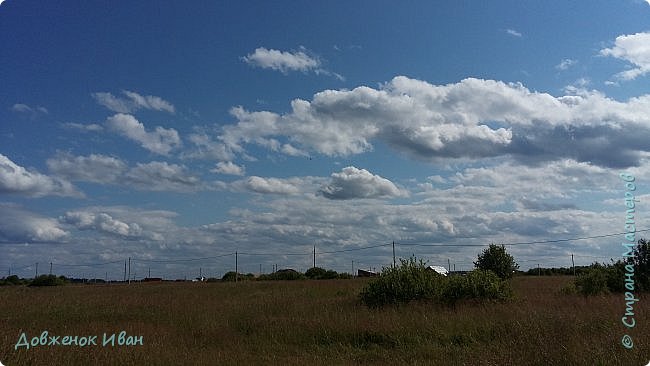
(353, 249)
(180, 260)
(519, 243)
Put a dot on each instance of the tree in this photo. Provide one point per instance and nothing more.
(315, 273)
(496, 259)
(641, 262)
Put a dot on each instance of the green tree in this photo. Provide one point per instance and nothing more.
(641, 262)
(315, 273)
(496, 259)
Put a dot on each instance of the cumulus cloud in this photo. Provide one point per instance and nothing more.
(18, 180)
(162, 176)
(102, 222)
(93, 168)
(205, 147)
(353, 183)
(123, 222)
(228, 168)
(269, 185)
(285, 61)
(160, 141)
(102, 169)
(471, 119)
(634, 49)
(132, 102)
(282, 61)
(20, 225)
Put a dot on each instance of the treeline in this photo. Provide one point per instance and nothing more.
(42, 280)
(314, 273)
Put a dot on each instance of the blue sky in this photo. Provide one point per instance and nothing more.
(166, 131)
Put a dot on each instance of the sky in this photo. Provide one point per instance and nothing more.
(177, 134)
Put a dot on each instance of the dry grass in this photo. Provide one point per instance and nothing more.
(317, 322)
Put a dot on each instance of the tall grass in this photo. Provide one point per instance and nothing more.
(318, 323)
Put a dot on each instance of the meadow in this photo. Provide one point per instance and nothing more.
(317, 323)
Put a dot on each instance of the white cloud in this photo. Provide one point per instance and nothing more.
(565, 64)
(269, 185)
(102, 222)
(93, 127)
(123, 222)
(132, 102)
(162, 176)
(634, 49)
(23, 226)
(471, 119)
(32, 112)
(285, 61)
(353, 183)
(93, 168)
(206, 147)
(514, 33)
(18, 180)
(281, 60)
(228, 168)
(160, 141)
(102, 169)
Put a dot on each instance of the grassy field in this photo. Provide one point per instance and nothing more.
(317, 323)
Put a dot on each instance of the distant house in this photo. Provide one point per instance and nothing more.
(439, 269)
(364, 273)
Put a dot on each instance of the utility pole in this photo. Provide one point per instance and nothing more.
(149, 272)
(129, 270)
(236, 267)
(448, 265)
(260, 268)
(200, 272)
(36, 270)
(394, 254)
(454, 267)
(353, 268)
(573, 265)
(539, 271)
(314, 256)
(50, 267)
(125, 270)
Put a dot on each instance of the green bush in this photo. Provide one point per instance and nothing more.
(47, 280)
(411, 280)
(406, 282)
(592, 282)
(11, 280)
(476, 284)
(282, 275)
(344, 276)
(315, 273)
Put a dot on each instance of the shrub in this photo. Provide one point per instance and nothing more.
(476, 284)
(47, 280)
(315, 273)
(283, 275)
(11, 280)
(406, 282)
(592, 282)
